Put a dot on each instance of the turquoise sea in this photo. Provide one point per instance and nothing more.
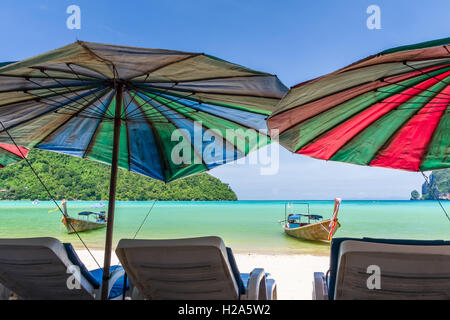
(247, 226)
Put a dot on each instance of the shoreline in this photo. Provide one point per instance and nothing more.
(241, 251)
(294, 273)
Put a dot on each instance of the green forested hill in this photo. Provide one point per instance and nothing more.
(77, 179)
(440, 182)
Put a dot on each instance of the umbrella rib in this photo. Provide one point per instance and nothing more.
(39, 68)
(202, 111)
(377, 100)
(186, 116)
(413, 95)
(43, 87)
(57, 81)
(57, 102)
(355, 86)
(388, 141)
(34, 97)
(192, 120)
(37, 116)
(108, 62)
(46, 189)
(161, 93)
(175, 112)
(70, 91)
(446, 49)
(216, 93)
(76, 74)
(425, 73)
(148, 101)
(199, 100)
(165, 165)
(126, 108)
(355, 114)
(190, 141)
(434, 194)
(207, 79)
(39, 98)
(103, 77)
(134, 111)
(35, 76)
(166, 65)
(127, 131)
(56, 93)
(88, 114)
(138, 112)
(145, 102)
(66, 121)
(413, 87)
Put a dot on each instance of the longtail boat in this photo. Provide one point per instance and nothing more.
(83, 223)
(309, 226)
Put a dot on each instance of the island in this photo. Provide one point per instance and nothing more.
(72, 178)
(439, 182)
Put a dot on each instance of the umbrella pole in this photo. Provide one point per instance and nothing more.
(112, 192)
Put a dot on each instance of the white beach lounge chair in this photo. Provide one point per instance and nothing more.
(385, 269)
(190, 269)
(42, 268)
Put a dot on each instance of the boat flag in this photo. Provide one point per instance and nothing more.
(337, 203)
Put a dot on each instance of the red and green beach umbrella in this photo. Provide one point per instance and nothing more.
(121, 105)
(388, 110)
(10, 154)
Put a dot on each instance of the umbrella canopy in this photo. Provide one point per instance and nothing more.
(121, 105)
(9, 154)
(388, 110)
(65, 101)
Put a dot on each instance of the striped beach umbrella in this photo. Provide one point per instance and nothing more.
(10, 154)
(122, 105)
(388, 110)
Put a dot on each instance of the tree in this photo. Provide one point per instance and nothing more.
(440, 184)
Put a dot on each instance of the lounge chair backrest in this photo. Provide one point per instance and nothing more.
(37, 268)
(406, 271)
(179, 269)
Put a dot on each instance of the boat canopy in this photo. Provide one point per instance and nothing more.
(98, 205)
(86, 213)
(311, 216)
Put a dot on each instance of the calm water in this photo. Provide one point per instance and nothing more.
(244, 225)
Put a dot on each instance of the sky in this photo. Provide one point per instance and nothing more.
(297, 40)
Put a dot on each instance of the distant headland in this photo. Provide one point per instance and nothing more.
(72, 178)
(439, 182)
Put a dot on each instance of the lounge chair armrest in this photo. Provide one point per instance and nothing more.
(271, 288)
(256, 285)
(320, 289)
(114, 276)
(133, 293)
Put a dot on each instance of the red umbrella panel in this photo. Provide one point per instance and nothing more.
(10, 154)
(389, 110)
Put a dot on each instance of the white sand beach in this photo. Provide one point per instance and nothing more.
(293, 272)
